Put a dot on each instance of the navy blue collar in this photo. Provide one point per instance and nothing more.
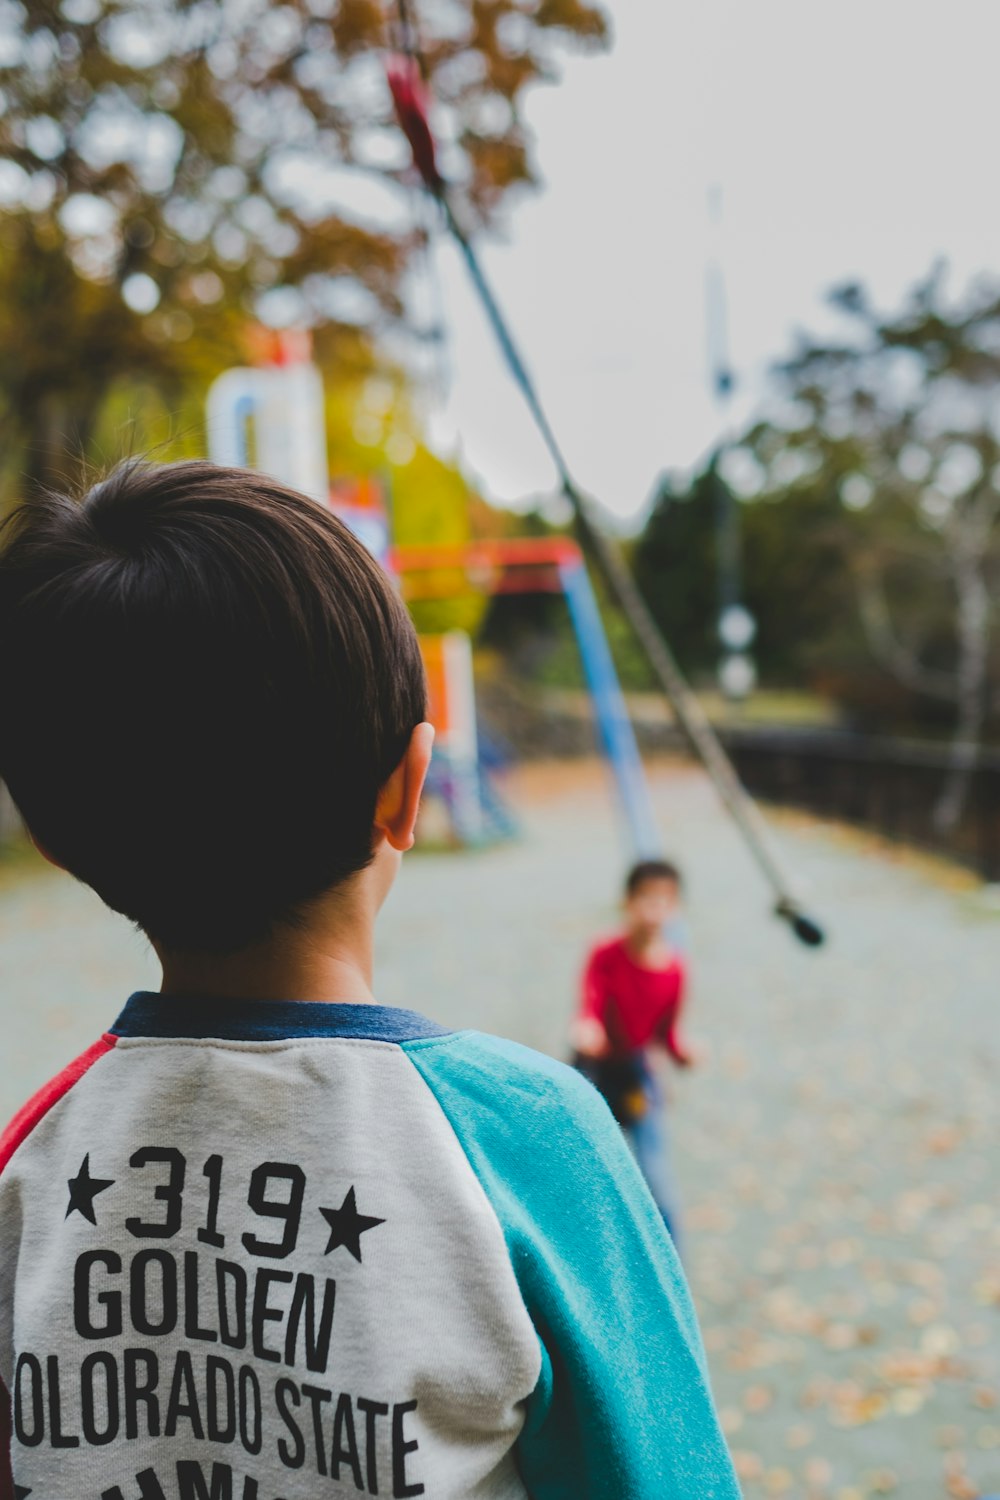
(178, 1016)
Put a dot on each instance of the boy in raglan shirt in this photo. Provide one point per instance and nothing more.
(268, 1239)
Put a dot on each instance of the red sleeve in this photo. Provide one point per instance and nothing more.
(594, 987)
(671, 1030)
(23, 1123)
(32, 1114)
(6, 1476)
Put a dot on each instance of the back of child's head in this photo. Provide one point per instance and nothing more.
(205, 679)
(646, 871)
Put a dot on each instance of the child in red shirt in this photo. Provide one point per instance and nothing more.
(632, 993)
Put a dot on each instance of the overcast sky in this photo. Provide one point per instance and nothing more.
(855, 140)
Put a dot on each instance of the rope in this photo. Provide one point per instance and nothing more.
(406, 77)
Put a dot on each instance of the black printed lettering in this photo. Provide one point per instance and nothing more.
(183, 1399)
(149, 1488)
(251, 1415)
(191, 1484)
(99, 1398)
(345, 1444)
(289, 1211)
(139, 1293)
(28, 1378)
(191, 1481)
(401, 1490)
(210, 1234)
(372, 1410)
(57, 1437)
(232, 1334)
(139, 1391)
(317, 1399)
(316, 1337)
(220, 1417)
(191, 1289)
(263, 1314)
(169, 1192)
(285, 1392)
(84, 1298)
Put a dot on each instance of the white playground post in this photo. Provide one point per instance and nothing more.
(283, 404)
(274, 414)
(448, 659)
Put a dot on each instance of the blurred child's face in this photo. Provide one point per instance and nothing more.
(651, 906)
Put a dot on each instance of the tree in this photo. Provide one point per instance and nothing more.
(373, 431)
(674, 566)
(169, 169)
(792, 567)
(899, 422)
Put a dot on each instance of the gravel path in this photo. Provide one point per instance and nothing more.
(839, 1150)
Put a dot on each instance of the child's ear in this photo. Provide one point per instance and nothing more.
(399, 800)
(45, 853)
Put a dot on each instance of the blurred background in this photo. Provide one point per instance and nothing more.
(752, 254)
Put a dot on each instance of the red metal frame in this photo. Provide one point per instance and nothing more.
(521, 565)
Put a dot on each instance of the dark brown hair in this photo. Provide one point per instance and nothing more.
(651, 869)
(205, 680)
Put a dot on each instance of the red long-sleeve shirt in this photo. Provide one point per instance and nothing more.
(635, 1005)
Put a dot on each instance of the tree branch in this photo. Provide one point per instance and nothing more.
(889, 650)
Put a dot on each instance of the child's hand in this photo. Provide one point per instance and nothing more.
(589, 1037)
(690, 1055)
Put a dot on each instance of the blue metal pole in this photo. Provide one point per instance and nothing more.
(613, 721)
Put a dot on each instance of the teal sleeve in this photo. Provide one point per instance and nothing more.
(622, 1407)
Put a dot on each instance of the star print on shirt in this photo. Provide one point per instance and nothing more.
(20, 1493)
(83, 1189)
(347, 1226)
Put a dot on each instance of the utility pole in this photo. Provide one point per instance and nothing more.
(735, 624)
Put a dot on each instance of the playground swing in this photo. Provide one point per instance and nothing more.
(405, 73)
(284, 401)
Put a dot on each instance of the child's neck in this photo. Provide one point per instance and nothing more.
(268, 976)
(329, 958)
(648, 945)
